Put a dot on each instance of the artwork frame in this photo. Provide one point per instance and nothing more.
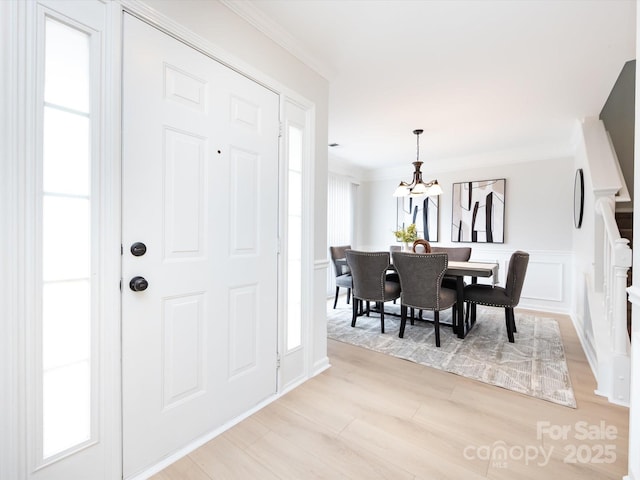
(477, 212)
(421, 211)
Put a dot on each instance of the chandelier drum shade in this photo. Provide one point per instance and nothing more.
(417, 187)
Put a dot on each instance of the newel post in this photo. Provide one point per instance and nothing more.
(622, 262)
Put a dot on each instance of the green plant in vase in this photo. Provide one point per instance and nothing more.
(407, 235)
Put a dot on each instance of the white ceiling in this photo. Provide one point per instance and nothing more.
(479, 76)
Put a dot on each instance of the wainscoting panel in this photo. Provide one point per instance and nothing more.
(547, 286)
(544, 281)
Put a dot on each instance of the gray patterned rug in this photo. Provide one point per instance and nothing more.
(534, 365)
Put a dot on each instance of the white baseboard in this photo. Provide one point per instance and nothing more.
(320, 366)
(587, 348)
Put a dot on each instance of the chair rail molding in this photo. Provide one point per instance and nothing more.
(322, 264)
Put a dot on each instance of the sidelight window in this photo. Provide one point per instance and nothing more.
(67, 326)
(294, 238)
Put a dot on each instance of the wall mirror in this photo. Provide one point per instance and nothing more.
(578, 198)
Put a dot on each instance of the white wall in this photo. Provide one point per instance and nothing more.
(538, 219)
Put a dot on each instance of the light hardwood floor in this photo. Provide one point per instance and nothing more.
(371, 416)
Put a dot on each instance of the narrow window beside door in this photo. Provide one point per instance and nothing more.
(66, 205)
(294, 241)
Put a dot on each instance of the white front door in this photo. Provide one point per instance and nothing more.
(200, 191)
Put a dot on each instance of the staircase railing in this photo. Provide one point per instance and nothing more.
(610, 330)
(605, 258)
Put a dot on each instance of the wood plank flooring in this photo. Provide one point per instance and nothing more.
(372, 416)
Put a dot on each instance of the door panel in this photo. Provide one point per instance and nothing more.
(182, 342)
(200, 190)
(184, 195)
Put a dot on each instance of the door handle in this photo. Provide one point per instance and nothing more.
(138, 284)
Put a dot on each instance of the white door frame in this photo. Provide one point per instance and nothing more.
(17, 133)
(11, 205)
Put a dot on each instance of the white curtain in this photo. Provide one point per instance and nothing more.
(341, 200)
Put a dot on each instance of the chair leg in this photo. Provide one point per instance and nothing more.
(348, 294)
(508, 315)
(513, 321)
(403, 320)
(413, 315)
(382, 317)
(354, 309)
(436, 324)
(470, 313)
(335, 301)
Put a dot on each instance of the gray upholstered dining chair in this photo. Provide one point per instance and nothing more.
(507, 297)
(343, 274)
(455, 254)
(370, 284)
(420, 280)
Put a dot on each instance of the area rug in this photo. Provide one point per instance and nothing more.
(534, 365)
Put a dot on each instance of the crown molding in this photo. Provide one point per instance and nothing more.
(247, 10)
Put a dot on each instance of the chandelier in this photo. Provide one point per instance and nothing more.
(418, 188)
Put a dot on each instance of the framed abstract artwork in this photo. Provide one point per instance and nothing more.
(424, 213)
(477, 213)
